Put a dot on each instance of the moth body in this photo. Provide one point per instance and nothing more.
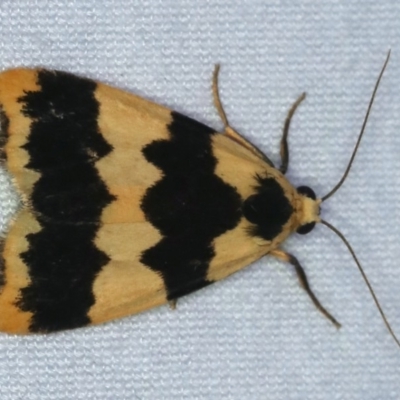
(128, 205)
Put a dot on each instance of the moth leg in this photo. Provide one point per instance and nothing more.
(172, 304)
(301, 275)
(228, 130)
(284, 148)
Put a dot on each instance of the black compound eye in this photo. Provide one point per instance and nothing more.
(306, 191)
(303, 229)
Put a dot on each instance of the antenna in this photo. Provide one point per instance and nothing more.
(339, 184)
(345, 241)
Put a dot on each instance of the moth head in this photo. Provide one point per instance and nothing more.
(309, 210)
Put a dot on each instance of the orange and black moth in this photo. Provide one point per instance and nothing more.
(127, 205)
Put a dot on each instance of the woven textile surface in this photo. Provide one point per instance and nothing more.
(255, 335)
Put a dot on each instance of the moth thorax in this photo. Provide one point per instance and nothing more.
(308, 211)
(268, 209)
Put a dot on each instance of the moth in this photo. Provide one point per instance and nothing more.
(127, 205)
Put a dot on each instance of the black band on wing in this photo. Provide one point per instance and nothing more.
(67, 199)
(190, 206)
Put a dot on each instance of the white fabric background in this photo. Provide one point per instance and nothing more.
(255, 335)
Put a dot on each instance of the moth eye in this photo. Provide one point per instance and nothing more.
(303, 229)
(307, 191)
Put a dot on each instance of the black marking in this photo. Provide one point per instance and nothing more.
(269, 209)
(2, 265)
(307, 191)
(306, 228)
(4, 127)
(190, 206)
(68, 198)
(4, 133)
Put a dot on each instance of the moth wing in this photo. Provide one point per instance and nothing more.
(121, 290)
(236, 165)
(94, 242)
